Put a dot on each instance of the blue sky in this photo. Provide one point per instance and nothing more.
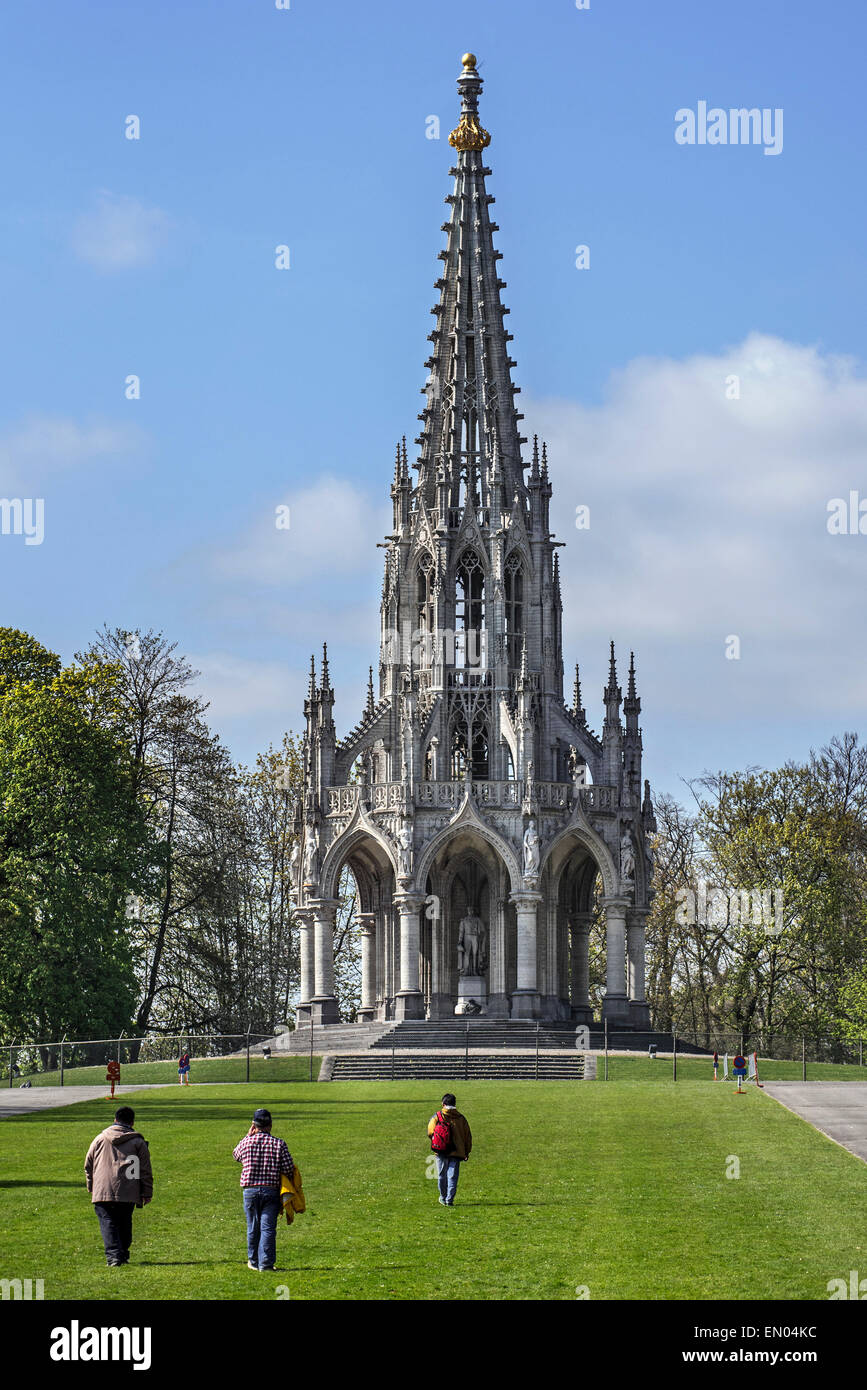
(307, 127)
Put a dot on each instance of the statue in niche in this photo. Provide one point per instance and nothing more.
(627, 857)
(404, 853)
(295, 863)
(472, 945)
(311, 855)
(531, 849)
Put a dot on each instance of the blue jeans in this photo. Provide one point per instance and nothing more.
(261, 1207)
(448, 1170)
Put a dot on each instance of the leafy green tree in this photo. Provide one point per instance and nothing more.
(71, 847)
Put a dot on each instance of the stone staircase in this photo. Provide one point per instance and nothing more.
(489, 1034)
(453, 1067)
(336, 1037)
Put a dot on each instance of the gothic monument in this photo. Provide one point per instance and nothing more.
(474, 807)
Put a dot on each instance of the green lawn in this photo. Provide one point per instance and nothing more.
(621, 1188)
(203, 1069)
(701, 1069)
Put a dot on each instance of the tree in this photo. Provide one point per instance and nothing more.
(71, 846)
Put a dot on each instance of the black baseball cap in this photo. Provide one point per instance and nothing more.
(262, 1117)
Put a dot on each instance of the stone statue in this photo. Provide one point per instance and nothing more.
(531, 849)
(294, 863)
(404, 855)
(311, 855)
(627, 857)
(472, 945)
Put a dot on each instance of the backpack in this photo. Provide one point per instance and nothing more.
(441, 1139)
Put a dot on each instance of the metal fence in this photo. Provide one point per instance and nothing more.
(782, 1047)
(803, 1057)
(38, 1061)
(31, 1060)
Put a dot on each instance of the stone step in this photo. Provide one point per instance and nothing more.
(333, 1037)
(496, 1033)
(448, 1067)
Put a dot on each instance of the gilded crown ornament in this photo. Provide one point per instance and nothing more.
(469, 135)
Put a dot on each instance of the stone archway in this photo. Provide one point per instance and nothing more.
(575, 858)
(469, 883)
(369, 860)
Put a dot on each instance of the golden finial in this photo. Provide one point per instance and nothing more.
(469, 135)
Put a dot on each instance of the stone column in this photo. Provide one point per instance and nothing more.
(580, 951)
(525, 1000)
(305, 952)
(498, 1004)
(379, 954)
(639, 1009)
(409, 1001)
(367, 921)
(441, 1003)
(324, 1004)
(615, 1007)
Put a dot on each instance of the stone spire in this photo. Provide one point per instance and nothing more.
(370, 700)
(469, 391)
(326, 678)
(612, 694)
(632, 704)
(577, 707)
(612, 729)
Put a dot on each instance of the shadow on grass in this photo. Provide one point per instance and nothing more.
(512, 1204)
(42, 1182)
(211, 1111)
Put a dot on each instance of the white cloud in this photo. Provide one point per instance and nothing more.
(708, 517)
(44, 443)
(120, 232)
(333, 531)
(237, 686)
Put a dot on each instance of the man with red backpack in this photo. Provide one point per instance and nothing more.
(450, 1141)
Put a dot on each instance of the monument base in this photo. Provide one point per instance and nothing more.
(324, 1009)
(525, 1004)
(498, 1006)
(408, 1004)
(615, 1011)
(472, 996)
(639, 1013)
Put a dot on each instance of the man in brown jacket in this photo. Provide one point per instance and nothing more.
(459, 1143)
(118, 1173)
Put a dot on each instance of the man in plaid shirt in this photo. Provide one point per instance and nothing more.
(264, 1157)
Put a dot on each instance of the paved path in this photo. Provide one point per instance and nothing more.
(837, 1108)
(18, 1102)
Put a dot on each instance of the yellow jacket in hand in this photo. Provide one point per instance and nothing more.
(292, 1195)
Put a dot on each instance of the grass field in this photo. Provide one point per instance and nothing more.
(701, 1069)
(620, 1188)
(204, 1069)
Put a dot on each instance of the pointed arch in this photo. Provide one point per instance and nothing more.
(514, 600)
(469, 820)
(558, 852)
(365, 846)
(470, 609)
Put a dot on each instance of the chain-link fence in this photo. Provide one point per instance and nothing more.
(78, 1061)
